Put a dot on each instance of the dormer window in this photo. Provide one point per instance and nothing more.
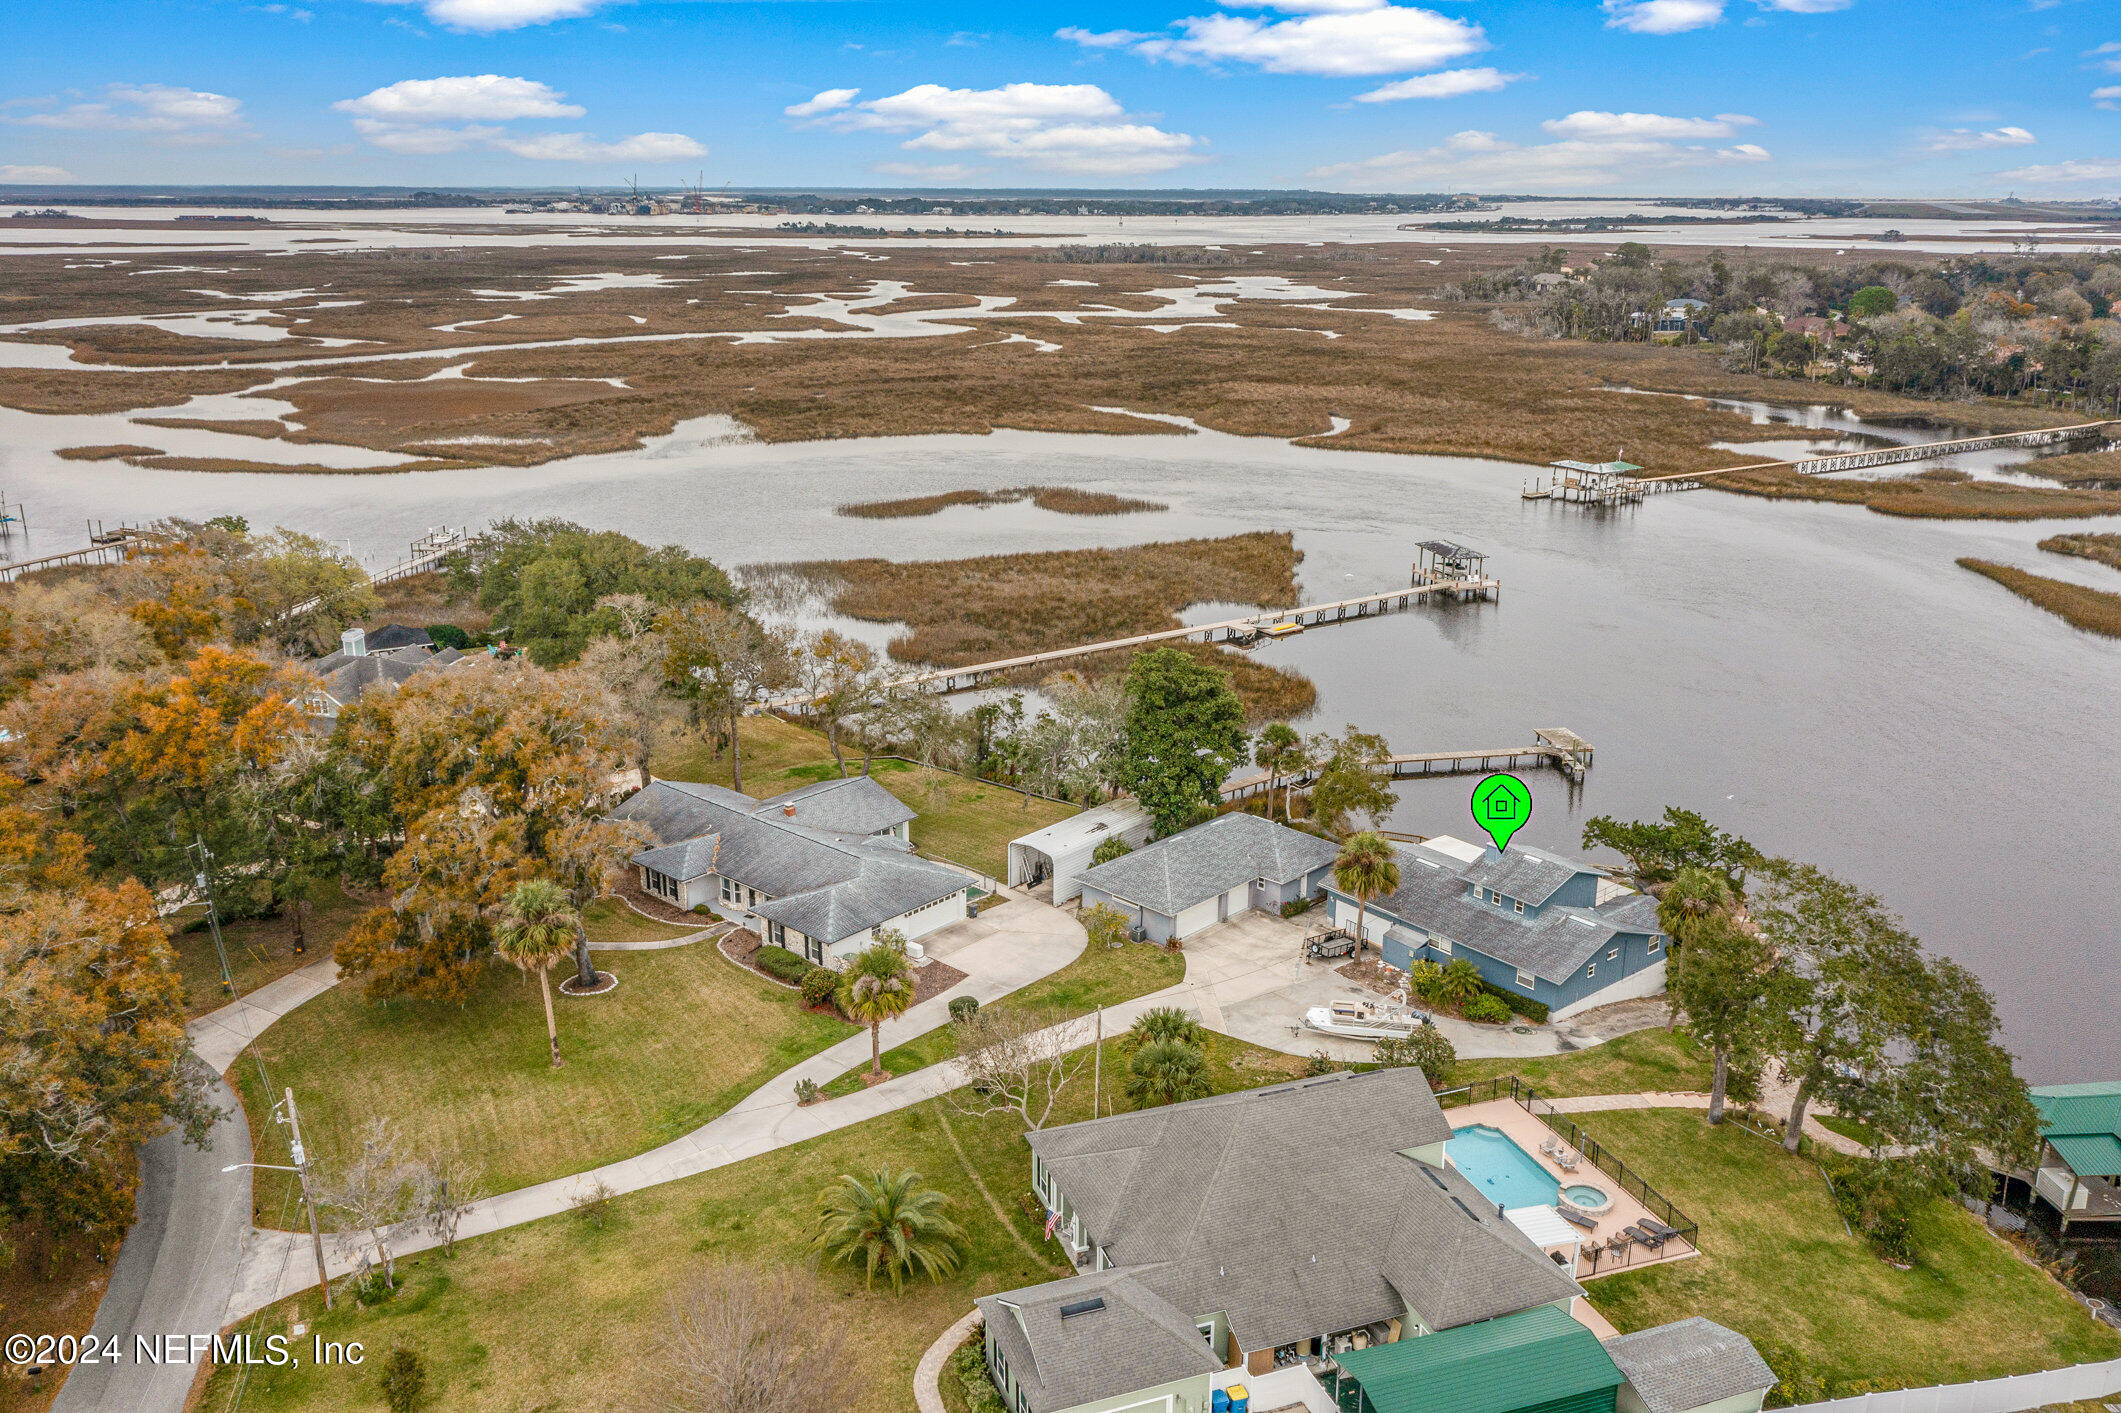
(1520, 907)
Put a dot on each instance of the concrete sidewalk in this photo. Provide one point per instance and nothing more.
(1017, 945)
(219, 1036)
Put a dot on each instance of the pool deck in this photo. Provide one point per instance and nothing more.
(1527, 1132)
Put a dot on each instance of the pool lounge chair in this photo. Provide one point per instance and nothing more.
(1551, 1147)
(1651, 1239)
(1575, 1218)
(1669, 1233)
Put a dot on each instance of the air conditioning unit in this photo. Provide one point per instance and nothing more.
(916, 953)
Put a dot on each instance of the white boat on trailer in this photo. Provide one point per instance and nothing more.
(1364, 1020)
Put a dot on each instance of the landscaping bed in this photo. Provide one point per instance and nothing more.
(746, 949)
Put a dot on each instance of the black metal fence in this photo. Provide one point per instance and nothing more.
(1603, 1158)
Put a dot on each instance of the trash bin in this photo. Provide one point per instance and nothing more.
(1221, 1402)
(1240, 1401)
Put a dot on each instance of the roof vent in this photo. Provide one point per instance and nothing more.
(1082, 1307)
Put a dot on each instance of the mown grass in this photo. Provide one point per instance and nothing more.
(2093, 610)
(609, 920)
(1101, 976)
(1778, 1266)
(530, 1318)
(2104, 549)
(966, 821)
(1065, 500)
(685, 1035)
(1643, 1061)
(1925, 497)
(1857, 1129)
(259, 949)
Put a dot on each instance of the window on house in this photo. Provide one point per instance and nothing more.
(1524, 979)
(1520, 905)
(1657, 944)
(1207, 1330)
(1591, 970)
(1612, 954)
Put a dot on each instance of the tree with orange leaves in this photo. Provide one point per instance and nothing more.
(496, 772)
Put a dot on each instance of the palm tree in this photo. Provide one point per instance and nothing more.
(1693, 895)
(1368, 867)
(1160, 1023)
(1167, 1072)
(1461, 982)
(537, 926)
(874, 988)
(891, 1222)
(1280, 752)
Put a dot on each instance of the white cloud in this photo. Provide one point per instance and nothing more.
(2098, 169)
(488, 16)
(467, 98)
(2108, 55)
(174, 117)
(33, 173)
(1383, 39)
(1484, 160)
(580, 147)
(1074, 128)
(1597, 126)
(826, 102)
(1972, 140)
(1450, 83)
(1662, 16)
(2108, 98)
(1678, 16)
(431, 117)
(1102, 39)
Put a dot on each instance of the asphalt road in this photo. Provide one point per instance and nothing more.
(176, 1270)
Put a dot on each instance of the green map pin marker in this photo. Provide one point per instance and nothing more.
(1501, 807)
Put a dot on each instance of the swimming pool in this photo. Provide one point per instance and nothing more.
(1508, 1175)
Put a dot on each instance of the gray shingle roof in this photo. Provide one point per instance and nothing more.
(1554, 945)
(1232, 1204)
(1137, 1341)
(1533, 875)
(1173, 874)
(824, 883)
(854, 805)
(1688, 1364)
(686, 860)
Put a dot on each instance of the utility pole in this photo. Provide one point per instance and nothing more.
(213, 911)
(316, 1238)
(1097, 1063)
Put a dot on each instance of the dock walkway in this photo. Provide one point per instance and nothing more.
(1554, 746)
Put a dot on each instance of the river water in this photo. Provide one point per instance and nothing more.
(1818, 678)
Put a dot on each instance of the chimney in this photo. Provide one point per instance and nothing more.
(788, 810)
(354, 643)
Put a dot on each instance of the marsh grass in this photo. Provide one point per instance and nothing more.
(116, 451)
(1924, 496)
(2093, 610)
(2103, 549)
(1064, 500)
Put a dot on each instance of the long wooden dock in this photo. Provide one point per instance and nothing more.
(423, 554)
(104, 547)
(1629, 490)
(1554, 747)
(1250, 628)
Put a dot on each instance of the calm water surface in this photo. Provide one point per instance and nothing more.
(1821, 679)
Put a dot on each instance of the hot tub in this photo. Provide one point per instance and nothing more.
(1590, 1200)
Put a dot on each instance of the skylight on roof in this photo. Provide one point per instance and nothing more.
(1082, 1307)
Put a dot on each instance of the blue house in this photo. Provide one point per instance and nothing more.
(1548, 928)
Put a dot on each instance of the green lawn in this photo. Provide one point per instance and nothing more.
(609, 920)
(259, 949)
(1101, 976)
(1778, 1267)
(562, 1315)
(1646, 1060)
(965, 821)
(686, 1034)
(1857, 1129)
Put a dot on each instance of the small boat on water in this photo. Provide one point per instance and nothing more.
(1364, 1020)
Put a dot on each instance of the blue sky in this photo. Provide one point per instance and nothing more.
(1827, 97)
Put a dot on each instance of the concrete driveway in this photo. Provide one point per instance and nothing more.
(1248, 978)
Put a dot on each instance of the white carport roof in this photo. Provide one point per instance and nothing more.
(1544, 1226)
(1455, 848)
(1093, 824)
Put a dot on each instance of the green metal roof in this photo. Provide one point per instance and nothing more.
(1534, 1356)
(2089, 1154)
(2079, 1108)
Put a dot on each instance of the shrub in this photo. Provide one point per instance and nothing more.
(448, 635)
(806, 1091)
(1425, 979)
(969, 1366)
(1427, 1049)
(1521, 1005)
(1297, 906)
(1320, 1063)
(889, 937)
(1167, 1072)
(818, 985)
(404, 1379)
(1106, 925)
(789, 966)
(963, 1008)
(1460, 982)
(702, 910)
(1487, 1009)
(1165, 1023)
(1879, 1199)
(1111, 849)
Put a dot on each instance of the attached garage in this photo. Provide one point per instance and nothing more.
(1535, 1361)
